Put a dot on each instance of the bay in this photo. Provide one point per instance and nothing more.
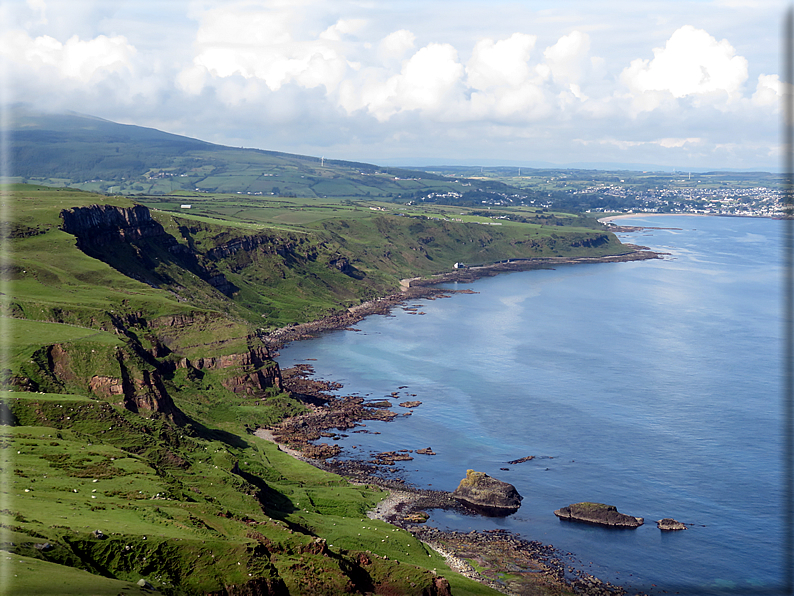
(653, 386)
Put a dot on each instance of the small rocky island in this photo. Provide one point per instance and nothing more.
(598, 513)
(487, 495)
(668, 525)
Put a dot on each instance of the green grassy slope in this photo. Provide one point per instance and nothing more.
(117, 427)
(93, 154)
(186, 513)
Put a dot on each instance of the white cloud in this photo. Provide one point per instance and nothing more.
(692, 63)
(40, 7)
(77, 59)
(373, 80)
(768, 91)
(258, 43)
(500, 63)
(395, 45)
(426, 82)
(341, 29)
(566, 59)
(672, 142)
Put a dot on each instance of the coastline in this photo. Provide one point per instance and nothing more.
(498, 554)
(651, 214)
(506, 563)
(416, 288)
(497, 558)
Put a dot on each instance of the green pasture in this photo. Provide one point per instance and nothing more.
(187, 525)
(28, 575)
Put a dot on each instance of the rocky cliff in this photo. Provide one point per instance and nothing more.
(256, 371)
(122, 379)
(102, 224)
(97, 227)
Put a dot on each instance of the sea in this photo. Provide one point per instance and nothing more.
(654, 386)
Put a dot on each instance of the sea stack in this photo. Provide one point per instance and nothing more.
(598, 513)
(487, 495)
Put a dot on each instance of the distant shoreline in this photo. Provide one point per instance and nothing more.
(611, 218)
(423, 288)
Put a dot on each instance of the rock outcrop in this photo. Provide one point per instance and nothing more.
(100, 225)
(140, 390)
(257, 370)
(487, 495)
(668, 524)
(598, 513)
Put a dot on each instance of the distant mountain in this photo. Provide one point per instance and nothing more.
(93, 154)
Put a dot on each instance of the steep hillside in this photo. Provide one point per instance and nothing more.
(129, 414)
(137, 371)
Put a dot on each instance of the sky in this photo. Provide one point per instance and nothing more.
(686, 84)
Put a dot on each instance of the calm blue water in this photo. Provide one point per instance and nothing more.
(653, 386)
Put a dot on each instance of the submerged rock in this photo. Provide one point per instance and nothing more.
(487, 495)
(598, 513)
(669, 524)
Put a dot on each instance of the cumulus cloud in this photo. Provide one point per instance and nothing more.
(76, 59)
(395, 45)
(567, 58)
(426, 82)
(692, 64)
(258, 43)
(500, 63)
(769, 91)
(367, 74)
(342, 28)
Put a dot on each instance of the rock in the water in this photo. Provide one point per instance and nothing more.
(598, 513)
(487, 495)
(668, 524)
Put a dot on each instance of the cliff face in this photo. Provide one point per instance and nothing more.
(256, 371)
(102, 224)
(137, 389)
(99, 226)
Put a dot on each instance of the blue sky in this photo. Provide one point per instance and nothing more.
(683, 84)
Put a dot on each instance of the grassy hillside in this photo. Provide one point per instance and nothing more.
(79, 151)
(188, 514)
(136, 372)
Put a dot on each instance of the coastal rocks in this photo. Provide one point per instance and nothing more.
(598, 513)
(521, 460)
(668, 524)
(487, 495)
(416, 517)
(387, 458)
(321, 451)
(426, 451)
(410, 404)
